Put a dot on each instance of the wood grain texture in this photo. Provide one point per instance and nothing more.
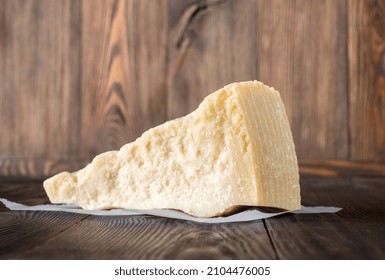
(366, 24)
(340, 168)
(354, 233)
(24, 230)
(43, 235)
(78, 78)
(209, 47)
(289, 45)
(30, 192)
(123, 82)
(40, 54)
(12, 168)
(156, 238)
(302, 53)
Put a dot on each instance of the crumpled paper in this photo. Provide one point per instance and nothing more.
(244, 216)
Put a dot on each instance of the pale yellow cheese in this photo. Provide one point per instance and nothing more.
(235, 149)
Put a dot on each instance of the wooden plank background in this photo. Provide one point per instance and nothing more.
(81, 77)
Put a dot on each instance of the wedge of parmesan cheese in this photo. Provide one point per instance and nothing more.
(235, 149)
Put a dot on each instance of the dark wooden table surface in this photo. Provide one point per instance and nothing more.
(356, 232)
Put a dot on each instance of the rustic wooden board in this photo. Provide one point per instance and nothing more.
(209, 46)
(28, 192)
(155, 238)
(366, 22)
(15, 168)
(40, 89)
(340, 168)
(289, 45)
(354, 233)
(20, 231)
(82, 77)
(357, 232)
(25, 230)
(124, 70)
(303, 55)
(53, 235)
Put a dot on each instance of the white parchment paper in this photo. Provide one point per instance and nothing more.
(247, 215)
